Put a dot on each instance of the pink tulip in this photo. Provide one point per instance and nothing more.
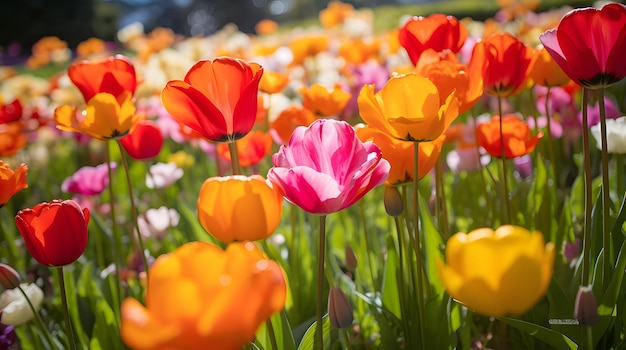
(88, 180)
(326, 168)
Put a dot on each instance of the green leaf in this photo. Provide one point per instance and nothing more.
(433, 246)
(308, 341)
(390, 298)
(105, 334)
(555, 339)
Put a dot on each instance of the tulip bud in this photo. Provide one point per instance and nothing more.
(393, 201)
(351, 260)
(9, 278)
(339, 308)
(586, 307)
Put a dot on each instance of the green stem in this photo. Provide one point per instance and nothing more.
(368, 245)
(555, 168)
(270, 331)
(402, 289)
(589, 337)
(440, 190)
(606, 194)
(117, 243)
(66, 312)
(319, 333)
(621, 188)
(38, 319)
(505, 182)
(417, 248)
(133, 209)
(586, 263)
(234, 157)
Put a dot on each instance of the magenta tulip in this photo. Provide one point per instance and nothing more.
(326, 168)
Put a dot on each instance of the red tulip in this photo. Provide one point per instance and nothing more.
(114, 75)
(145, 141)
(437, 31)
(590, 45)
(11, 112)
(55, 233)
(217, 99)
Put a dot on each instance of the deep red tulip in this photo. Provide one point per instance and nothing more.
(11, 112)
(144, 142)
(114, 75)
(55, 233)
(590, 45)
(437, 31)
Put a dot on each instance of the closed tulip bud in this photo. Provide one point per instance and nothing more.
(586, 307)
(339, 309)
(351, 261)
(9, 278)
(393, 201)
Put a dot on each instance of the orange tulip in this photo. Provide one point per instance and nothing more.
(515, 133)
(400, 154)
(323, 101)
(405, 115)
(11, 182)
(437, 31)
(266, 27)
(307, 46)
(236, 208)
(335, 13)
(12, 139)
(273, 82)
(105, 117)
(217, 99)
(545, 71)
(504, 61)
(358, 51)
(451, 76)
(202, 297)
(289, 119)
(251, 149)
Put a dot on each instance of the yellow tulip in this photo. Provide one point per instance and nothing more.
(237, 208)
(203, 297)
(105, 117)
(408, 108)
(499, 272)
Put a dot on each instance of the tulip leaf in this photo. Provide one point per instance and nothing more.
(72, 303)
(105, 331)
(432, 246)
(308, 341)
(192, 219)
(553, 338)
(390, 298)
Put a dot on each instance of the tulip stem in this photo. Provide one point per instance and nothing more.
(606, 194)
(133, 208)
(38, 320)
(234, 157)
(555, 168)
(66, 312)
(117, 243)
(440, 190)
(621, 189)
(319, 333)
(417, 248)
(587, 194)
(505, 182)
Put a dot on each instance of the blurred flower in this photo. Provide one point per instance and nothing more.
(504, 61)
(524, 165)
(400, 154)
(335, 13)
(162, 175)
(586, 306)
(90, 47)
(556, 129)
(288, 120)
(437, 31)
(88, 180)
(105, 117)
(11, 181)
(339, 309)
(545, 71)
(590, 45)
(273, 82)
(114, 75)
(191, 307)
(10, 112)
(217, 99)
(266, 27)
(593, 112)
(615, 135)
(144, 141)
(251, 148)
(7, 337)
(155, 221)
(516, 135)
(15, 308)
(9, 278)
(326, 168)
(466, 159)
(449, 75)
(307, 46)
(399, 112)
(12, 139)
(499, 272)
(324, 102)
(239, 208)
(571, 252)
(46, 50)
(182, 159)
(55, 232)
